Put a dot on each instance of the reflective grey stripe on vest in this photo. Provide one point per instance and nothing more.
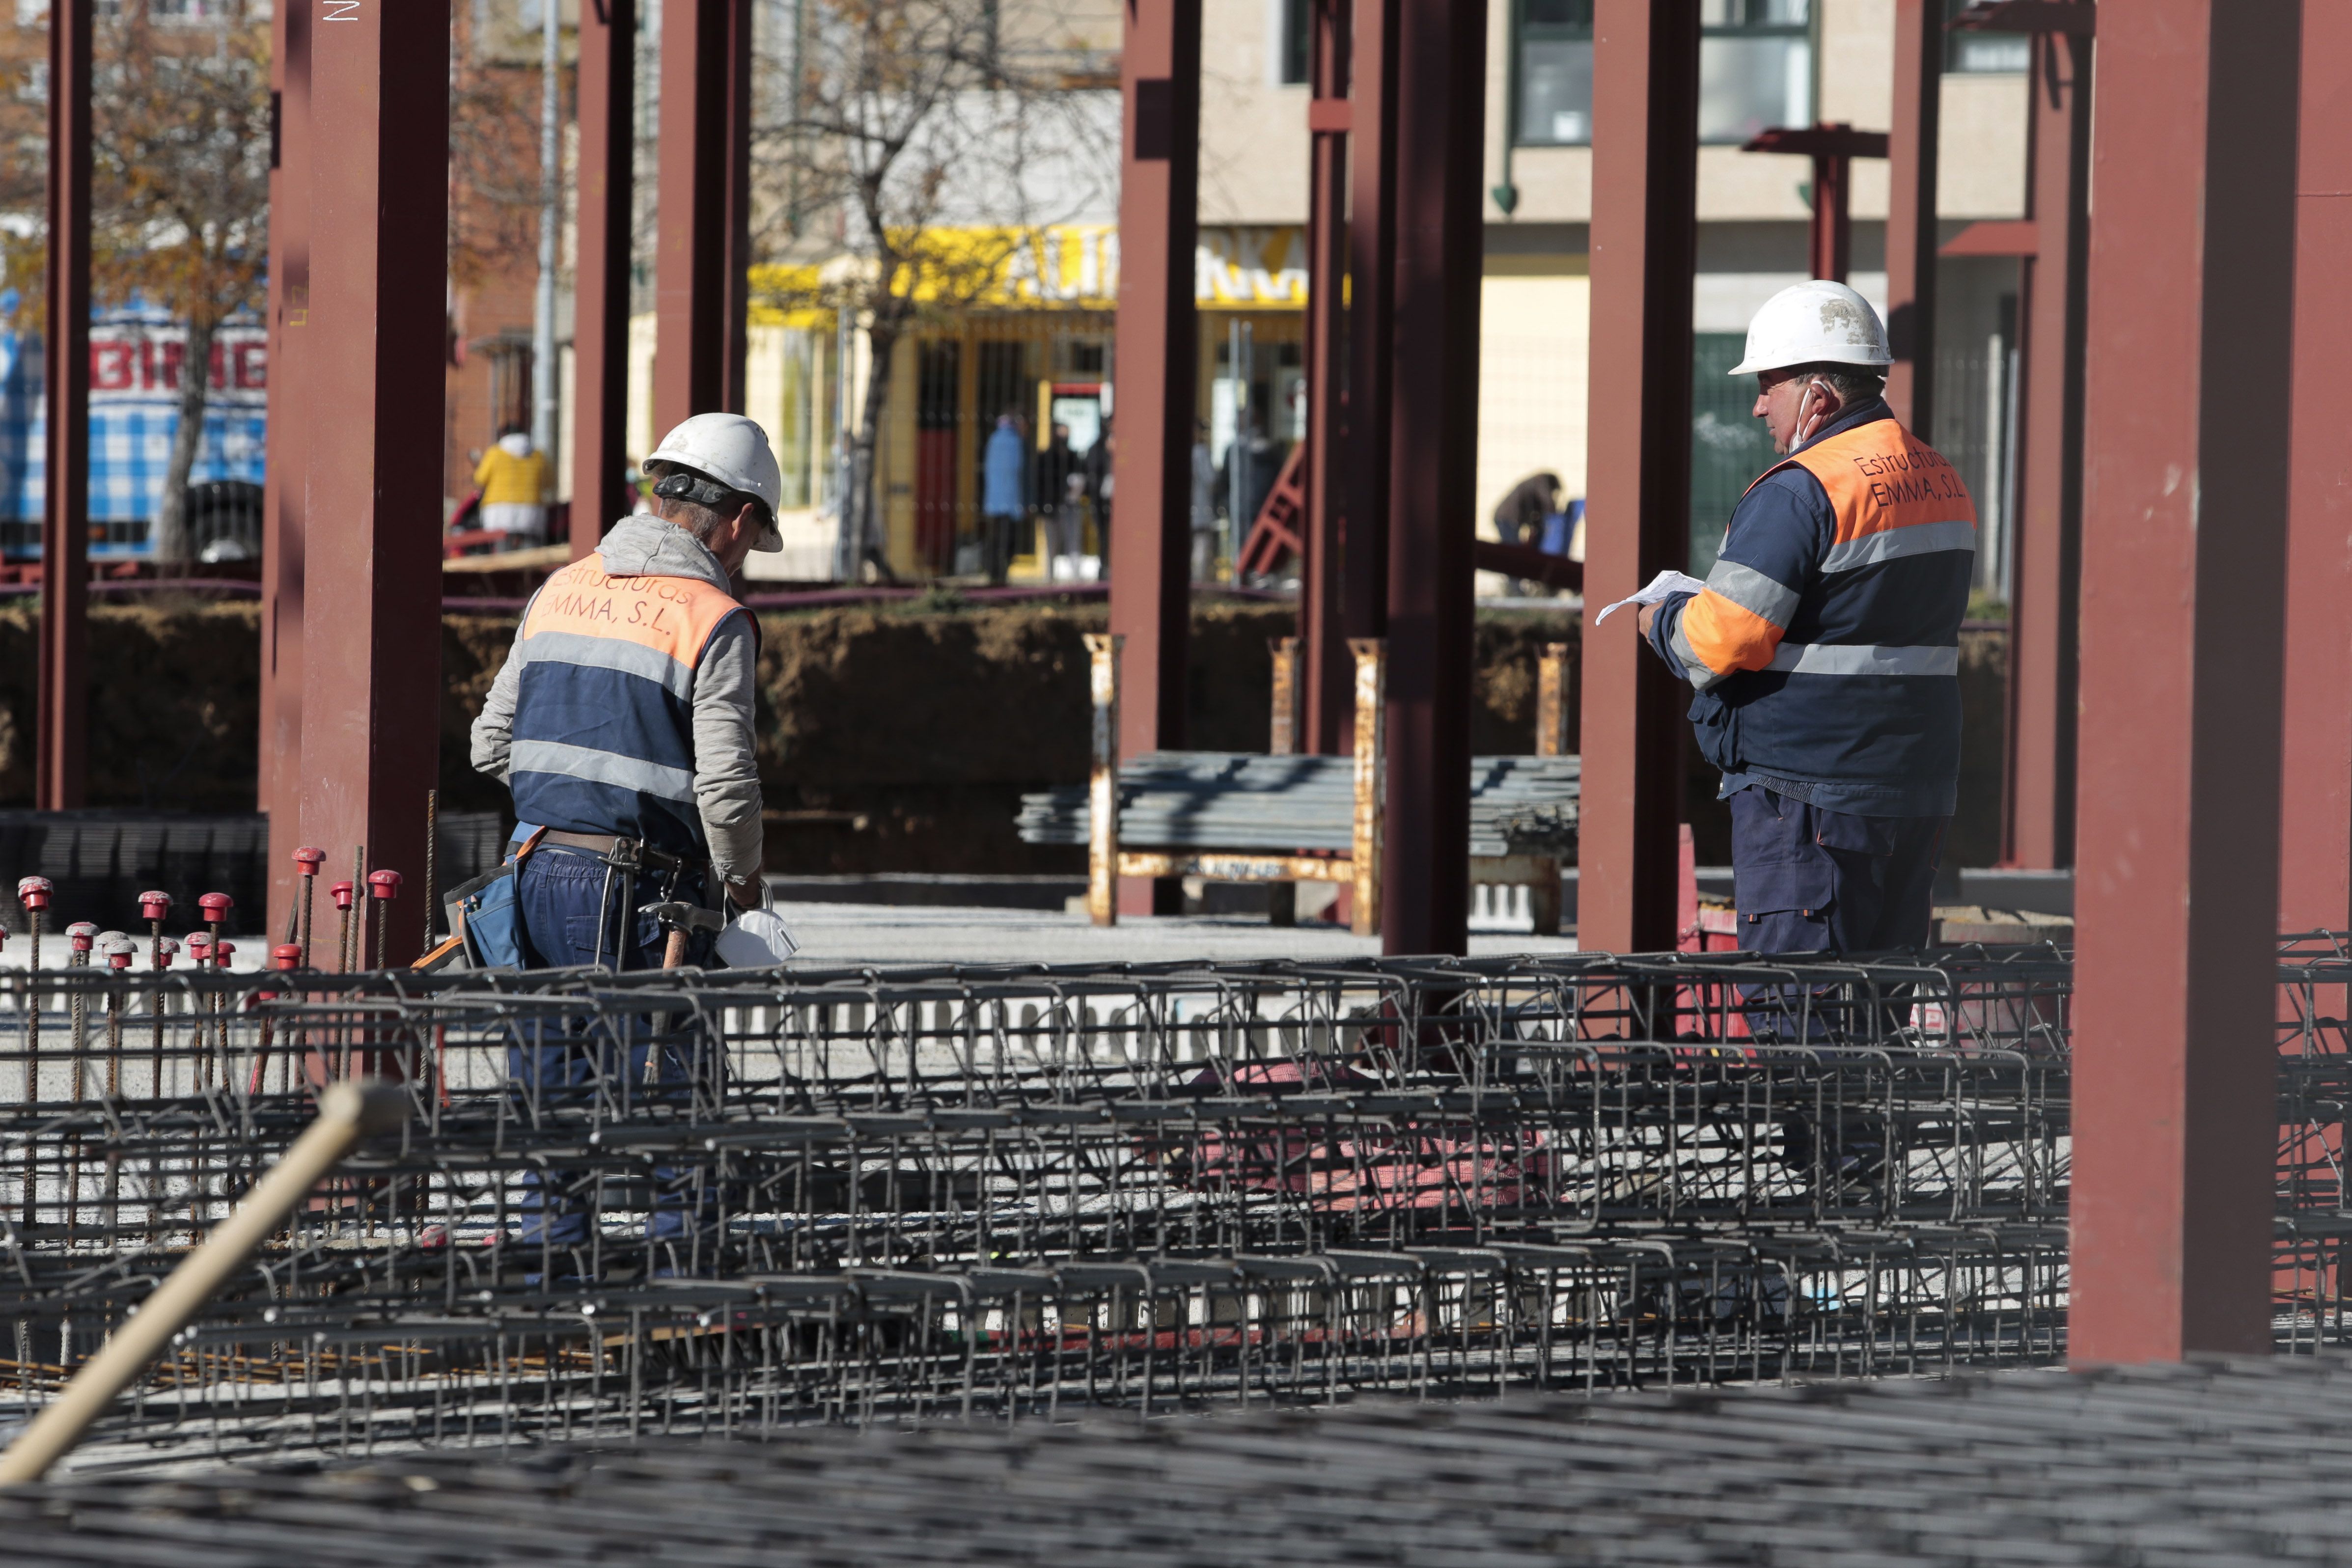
(1694, 667)
(1863, 659)
(602, 768)
(1753, 591)
(1919, 539)
(609, 653)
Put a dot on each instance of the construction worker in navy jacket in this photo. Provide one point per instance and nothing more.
(1824, 650)
(621, 721)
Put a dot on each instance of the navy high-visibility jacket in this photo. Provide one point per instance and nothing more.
(603, 717)
(1825, 648)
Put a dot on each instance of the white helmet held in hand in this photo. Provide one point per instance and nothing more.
(732, 451)
(1814, 323)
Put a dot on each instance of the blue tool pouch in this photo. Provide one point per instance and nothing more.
(489, 913)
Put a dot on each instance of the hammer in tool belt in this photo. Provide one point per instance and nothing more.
(681, 920)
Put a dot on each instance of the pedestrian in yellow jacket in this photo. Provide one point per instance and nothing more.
(514, 480)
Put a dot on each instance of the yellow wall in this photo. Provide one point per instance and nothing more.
(1532, 337)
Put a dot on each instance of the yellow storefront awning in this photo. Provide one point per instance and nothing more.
(1061, 266)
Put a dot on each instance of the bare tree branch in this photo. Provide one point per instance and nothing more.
(937, 155)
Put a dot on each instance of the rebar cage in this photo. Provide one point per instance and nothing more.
(723, 1202)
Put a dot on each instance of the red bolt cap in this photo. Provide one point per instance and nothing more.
(164, 950)
(384, 884)
(286, 956)
(222, 951)
(155, 905)
(33, 892)
(216, 905)
(120, 958)
(84, 934)
(342, 894)
(308, 860)
(197, 942)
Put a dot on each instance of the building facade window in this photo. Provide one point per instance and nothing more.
(1755, 66)
(1290, 43)
(1984, 53)
(1551, 85)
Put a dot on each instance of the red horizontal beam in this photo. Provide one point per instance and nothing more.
(1819, 141)
(1999, 236)
(2027, 16)
(1535, 565)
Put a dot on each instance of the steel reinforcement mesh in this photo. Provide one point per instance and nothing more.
(723, 1203)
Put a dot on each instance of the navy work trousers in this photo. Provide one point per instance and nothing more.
(560, 892)
(1807, 879)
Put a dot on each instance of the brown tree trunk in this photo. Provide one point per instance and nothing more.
(174, 543)
(866, 543)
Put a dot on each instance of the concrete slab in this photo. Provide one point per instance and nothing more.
(831, 933)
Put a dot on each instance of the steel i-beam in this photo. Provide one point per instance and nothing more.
(1434, 453)
(61, 756)
(600, 355)
(1156, 369)
(702, 256)
(2187, 409)
(1644, 251)
(283, 488)
(373, 385)
(1911, 212)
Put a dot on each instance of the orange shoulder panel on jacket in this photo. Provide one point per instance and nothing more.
(1880, 476)
(674, 616)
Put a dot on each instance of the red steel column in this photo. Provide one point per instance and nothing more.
(2192, 268)
(735, 162)
(1911, 236)
(2315, 801)
(2038, 829)
(1833, 225)
(1637, 512)
(61, 759)
(1833, 148)
(704, 138)
(1156, 369)
(600, 350)
(1329, 677)
(1372, 321)
(280, 771)
(1433, 450)
(371, 656)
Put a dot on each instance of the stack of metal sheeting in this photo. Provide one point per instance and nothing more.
(2184, 1466)
(1247, 800)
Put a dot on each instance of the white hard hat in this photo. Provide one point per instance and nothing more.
(733, 451)
(1814, 323)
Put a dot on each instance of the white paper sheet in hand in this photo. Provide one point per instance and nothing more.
(1665, 583)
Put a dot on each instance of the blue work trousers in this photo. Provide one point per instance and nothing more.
(1807, 879)
(566, 895)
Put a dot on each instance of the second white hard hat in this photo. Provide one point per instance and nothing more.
(733, 451)
(1812, 323)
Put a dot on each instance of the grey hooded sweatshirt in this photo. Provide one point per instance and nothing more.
(726, 774)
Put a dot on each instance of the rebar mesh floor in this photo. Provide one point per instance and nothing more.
(716, 1205)
(2204, 1465)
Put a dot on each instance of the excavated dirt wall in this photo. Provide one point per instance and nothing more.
(890, 739)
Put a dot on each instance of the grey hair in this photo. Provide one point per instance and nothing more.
(696, 519)
(1853, 384)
